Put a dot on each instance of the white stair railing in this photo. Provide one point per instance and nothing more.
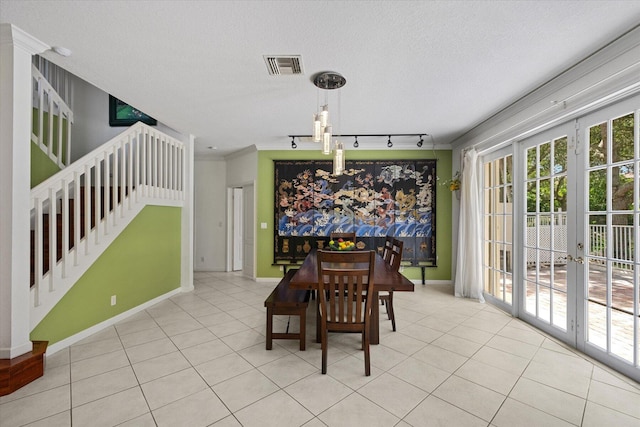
(92, 200)
(51, 110)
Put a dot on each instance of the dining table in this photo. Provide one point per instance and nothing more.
(385, 278)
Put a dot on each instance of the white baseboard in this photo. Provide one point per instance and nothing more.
(52, 349)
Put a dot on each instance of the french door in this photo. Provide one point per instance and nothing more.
(580, 204)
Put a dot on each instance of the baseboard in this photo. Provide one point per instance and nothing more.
(20, 371)
(109, 322)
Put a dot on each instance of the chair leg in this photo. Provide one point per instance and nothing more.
(390, 311)
(269, 328)
(303, 328)
(324, 351)
(365, 346)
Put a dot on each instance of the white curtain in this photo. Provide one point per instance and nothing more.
(469, 265)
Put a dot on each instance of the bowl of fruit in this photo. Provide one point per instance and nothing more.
(341, 245)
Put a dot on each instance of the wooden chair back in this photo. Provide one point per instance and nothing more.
(386, 249)
(345, 285)
(395, 254)
(344, 236)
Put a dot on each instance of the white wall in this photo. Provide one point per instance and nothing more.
(210, 207)
(91, 119)
(242, 168)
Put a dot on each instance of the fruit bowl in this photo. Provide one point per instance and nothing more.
(342, 245)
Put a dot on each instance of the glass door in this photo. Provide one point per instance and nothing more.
(550, 245)
(610, 292)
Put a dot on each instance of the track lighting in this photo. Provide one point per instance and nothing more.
(355, 143)
(420, 142)
(293, 142)
(389, 143)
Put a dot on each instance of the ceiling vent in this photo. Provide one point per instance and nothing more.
(283, 65)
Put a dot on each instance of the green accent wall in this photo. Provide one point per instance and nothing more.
(42, 167)
(265, 202)
(141, 264)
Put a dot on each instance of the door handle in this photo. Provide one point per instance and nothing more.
(579, 260)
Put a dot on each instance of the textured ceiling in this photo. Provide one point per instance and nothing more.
(439, 67)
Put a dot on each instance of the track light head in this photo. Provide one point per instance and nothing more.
(389, 143)
(356, 144)
(420, 142)
(293, 143)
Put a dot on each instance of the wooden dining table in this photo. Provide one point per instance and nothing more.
(384, 279)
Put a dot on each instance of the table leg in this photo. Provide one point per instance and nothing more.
(374, 335)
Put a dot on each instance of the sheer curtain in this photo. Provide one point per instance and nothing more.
(468, 282)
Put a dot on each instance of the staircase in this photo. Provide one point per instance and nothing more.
(77, 213)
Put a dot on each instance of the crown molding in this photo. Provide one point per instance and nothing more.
(12, 35)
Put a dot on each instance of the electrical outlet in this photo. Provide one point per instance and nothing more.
(281, 268)
(113, 300)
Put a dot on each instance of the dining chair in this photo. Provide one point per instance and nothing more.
(345, 236)
(392, 256)
(344, 281)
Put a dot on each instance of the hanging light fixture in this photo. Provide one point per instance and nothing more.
(322, 129)
(338, 159)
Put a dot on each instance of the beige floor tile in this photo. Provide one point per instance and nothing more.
(245, 389)
(228, 328)
(142, 337)
(523, 335)
(355, 410)
(96, 348)
(471, 397)
(516, 414)
(103, 385)
(62, 419)
(150, 350)
(395, 395)
(471, 334)
(350, 372)
(172, 387)
(440, 358)
(114, 409)
(215, 319)
(501, 360)
(487, 376)
(129, 327)
(318, 392)
(98, 365)
(276, 410)
(550, 400)
(181, 326)
(403, 343)
(206, 352)
(199, 409)
(558, 377)
(191, 338)
(461, 346)
(223, 368)
(512, 346)
(35, 407)
(433, 412)
(287, 370)
(145, 420)
(420, 374)
(229, 421)
(160, 366)
(243, 339)
(597, 416)
(615, 398)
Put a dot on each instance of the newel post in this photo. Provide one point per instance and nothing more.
(16, 50)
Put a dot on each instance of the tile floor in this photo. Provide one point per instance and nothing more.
(199, 359)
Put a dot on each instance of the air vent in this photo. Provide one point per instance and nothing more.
(283, 65)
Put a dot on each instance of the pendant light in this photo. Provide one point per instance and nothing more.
(322, 129)
(338, 159)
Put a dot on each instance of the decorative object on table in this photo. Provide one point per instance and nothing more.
(123, 114)
(342, 245)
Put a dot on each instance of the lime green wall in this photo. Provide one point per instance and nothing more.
(141, 264)
(42, 167)
(265, 204)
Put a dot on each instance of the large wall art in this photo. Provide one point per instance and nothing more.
(373, 198)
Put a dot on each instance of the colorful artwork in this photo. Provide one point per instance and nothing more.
(373, 198)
